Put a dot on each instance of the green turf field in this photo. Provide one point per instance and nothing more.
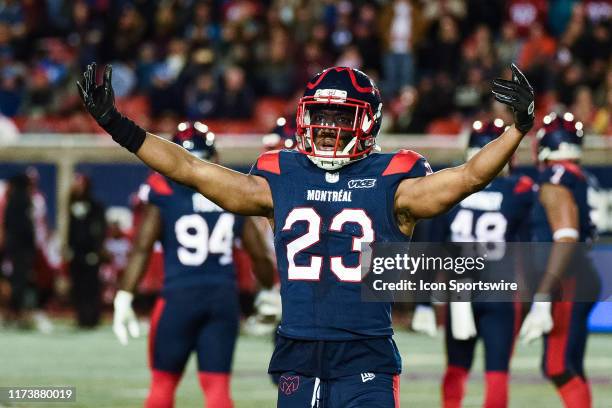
(108, 375)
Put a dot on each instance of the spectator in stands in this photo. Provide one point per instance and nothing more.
(583, 107)
(507, 46)
(350, 57)
(128, 34)
(525, 13)
(166, 92)
(313, 59)
(571, 78)
(11, 92)
(145, 67)
(202, 98)
(442, 51)
(400, 30)
(536, 55)
(19, 245)
(202, 30)
(367, 40)
(237, 98)
(40, 93)
(86, 33)
(602, 124)
(86, 243)
(275, 69)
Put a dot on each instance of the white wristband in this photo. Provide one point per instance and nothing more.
(565, 233)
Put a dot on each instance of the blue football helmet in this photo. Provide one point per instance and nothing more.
(197, 138)
(483, 133)
(560, 138)
(351, 94)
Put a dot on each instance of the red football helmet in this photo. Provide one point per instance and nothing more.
(342, 107)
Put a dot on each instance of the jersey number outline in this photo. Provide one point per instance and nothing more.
(312, 272)
(196, 242)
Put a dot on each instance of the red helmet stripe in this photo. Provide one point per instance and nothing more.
(366, 89)
(402, 162)
(270, 162)
(158, 183)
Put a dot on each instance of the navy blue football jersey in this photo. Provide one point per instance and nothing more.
(571, 176)
(498, 213)
(321, 218)
(197, 235)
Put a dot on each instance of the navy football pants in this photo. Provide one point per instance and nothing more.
(200, 319)
(496, 324)
(365, 390)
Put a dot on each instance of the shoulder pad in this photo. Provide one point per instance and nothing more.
(269, 162)
(404, 161)
(159, 184)
(523, 185)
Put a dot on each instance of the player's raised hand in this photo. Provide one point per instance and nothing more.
(537, 323)
(100, 103)
(98, 99)
(518, 94)
(124, 318)
(424, 320)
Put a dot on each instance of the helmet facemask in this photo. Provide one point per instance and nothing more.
(333, 130)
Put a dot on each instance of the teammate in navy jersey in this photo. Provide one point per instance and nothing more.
(324, 200)
(496, 215)
(561, 215)
(198, 307)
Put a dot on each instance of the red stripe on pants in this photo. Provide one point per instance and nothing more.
(396, 390)
(157, 312)
(557, 338)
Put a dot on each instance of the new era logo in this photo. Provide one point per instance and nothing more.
(367, 377)
(362, 183)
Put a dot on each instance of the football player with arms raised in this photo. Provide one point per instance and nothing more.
(324, 199)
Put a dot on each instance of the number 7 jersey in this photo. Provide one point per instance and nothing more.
(321, 218)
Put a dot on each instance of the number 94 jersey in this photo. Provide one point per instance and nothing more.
(197, 235)
(321, 218)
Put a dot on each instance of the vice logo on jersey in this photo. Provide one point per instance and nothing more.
(362, 183)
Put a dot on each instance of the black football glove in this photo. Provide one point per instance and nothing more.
(100, 103)
(518, 94)
(98, 99)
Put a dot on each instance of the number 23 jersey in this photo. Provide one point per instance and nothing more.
(197, 235)
(321, 218)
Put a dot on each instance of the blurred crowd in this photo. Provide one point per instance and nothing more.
(236, 61)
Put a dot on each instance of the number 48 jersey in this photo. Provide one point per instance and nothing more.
(498, 213)
(321, 218)
(197, 235)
